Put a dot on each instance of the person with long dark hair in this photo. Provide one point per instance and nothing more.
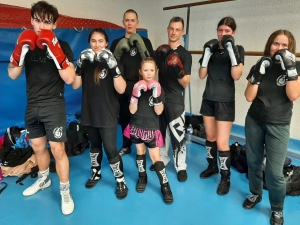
(100, 75)
(222, 64)
(273, 85)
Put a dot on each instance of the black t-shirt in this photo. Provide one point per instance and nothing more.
(131, 60)
(100, 106)
(145, 116)
(169, 81)
(44, 84)
(219, 84)
(271, 105)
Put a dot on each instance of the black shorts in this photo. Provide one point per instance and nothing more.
(222, 111)
(46, 120)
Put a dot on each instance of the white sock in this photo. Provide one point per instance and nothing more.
(64, 186)
(45, 173)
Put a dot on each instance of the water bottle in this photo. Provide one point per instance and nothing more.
(1, 177)
(189, 132)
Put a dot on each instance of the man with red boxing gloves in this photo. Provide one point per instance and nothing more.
(174, 63)
(48, 67)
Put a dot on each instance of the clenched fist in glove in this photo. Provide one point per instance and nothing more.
(228, 43)
(47, 38)
(111, 61)
(140, 45)
(175, 65)
(209, 48)
(156, 91)
(260, 69)
(87, 54)
(137, 91)
(123, 45)
(288, 63)
(25, 42)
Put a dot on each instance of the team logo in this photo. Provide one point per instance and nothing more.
(103, 74)
(164, 175)
(281, 80)
(54, 41)
(133, 51)
(151, 101)
(140, 165)
(116, 169)
(57, 132)
(94, 159)
(223, 163)
(177, 127)
(208, 148)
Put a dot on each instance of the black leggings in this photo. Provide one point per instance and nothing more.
(105, 136)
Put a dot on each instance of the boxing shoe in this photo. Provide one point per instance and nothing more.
(67, 203)
(167, 193)
(224, 185)
(121, 190)
(182, 176)
(40, 184)
(211, 170)
(276, 218)
(124, 150)
(96, 176)
(251, 201)
(141, 184)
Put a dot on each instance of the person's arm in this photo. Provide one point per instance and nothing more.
(251, 91)
(77, 82)
(255, 77)
(156, 94)
(66, 68)
(209, 48)
(120, 84)
(26, 41)
(184, 81)
(14, 72)
(136, 93)
(149, 47)
(236, 71)
(293, 89)
(68, 74)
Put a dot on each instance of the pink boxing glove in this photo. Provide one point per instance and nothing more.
(156, 91)
(136, 92)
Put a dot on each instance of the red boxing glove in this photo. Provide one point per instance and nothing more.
(136, 92)
(48, 38)
(156, 91)
(175, 65)
(25, 42)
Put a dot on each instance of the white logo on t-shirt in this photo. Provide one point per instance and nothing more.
(281, 80)
(133, 51)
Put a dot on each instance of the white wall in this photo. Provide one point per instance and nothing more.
(256, 20)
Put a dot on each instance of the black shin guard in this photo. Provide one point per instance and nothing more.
(96, 155)
(161, 172)
(116, 165)
(141, 164)
(211, 150)
(225, 160)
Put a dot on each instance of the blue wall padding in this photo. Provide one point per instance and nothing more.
(13, 92)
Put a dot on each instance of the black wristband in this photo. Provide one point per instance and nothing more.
(157, 101)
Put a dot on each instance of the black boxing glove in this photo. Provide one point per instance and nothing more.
(260, 69)
(175, 65)
(228, 43)
(209, 48)
(288, 63)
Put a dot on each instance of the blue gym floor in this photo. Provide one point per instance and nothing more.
(195, 201)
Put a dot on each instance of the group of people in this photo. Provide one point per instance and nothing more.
(119, 85)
